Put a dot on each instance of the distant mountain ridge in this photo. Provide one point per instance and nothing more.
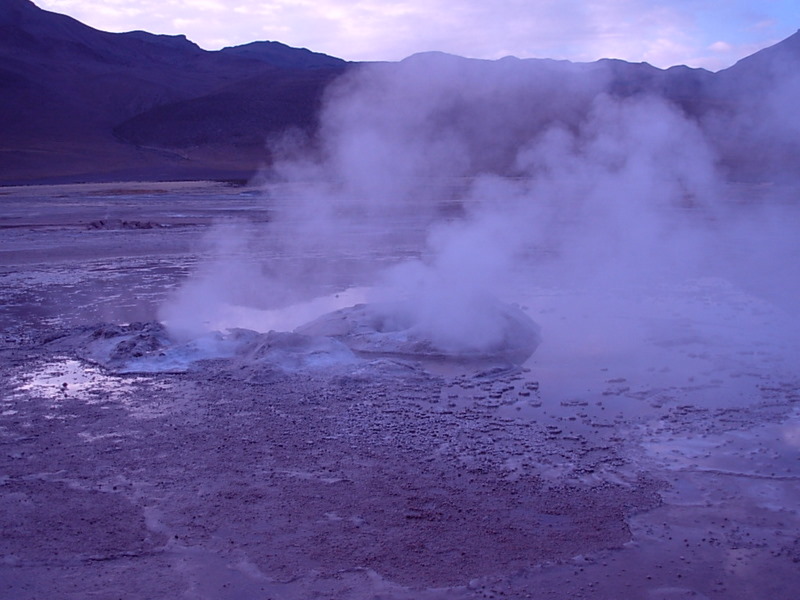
(79, 104)
(286, 57)
(68, 92)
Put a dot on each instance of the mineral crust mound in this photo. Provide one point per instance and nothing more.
(384, 329)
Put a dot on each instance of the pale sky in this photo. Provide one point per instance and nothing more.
(700, 33)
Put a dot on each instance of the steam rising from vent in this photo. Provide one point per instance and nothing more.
(488, 177)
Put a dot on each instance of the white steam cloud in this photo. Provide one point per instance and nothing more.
(489, 177)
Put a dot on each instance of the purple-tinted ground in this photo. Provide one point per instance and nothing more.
(630, 457)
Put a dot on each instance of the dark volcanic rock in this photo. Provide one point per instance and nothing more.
(107, 224)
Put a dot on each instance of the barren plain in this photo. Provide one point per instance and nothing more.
(648, 453)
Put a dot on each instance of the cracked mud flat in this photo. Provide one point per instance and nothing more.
(663, 467)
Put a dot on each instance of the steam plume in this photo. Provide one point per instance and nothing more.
(548, 180)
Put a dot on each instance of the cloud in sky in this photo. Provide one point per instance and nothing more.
(700, 33)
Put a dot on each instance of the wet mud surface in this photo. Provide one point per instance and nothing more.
(663, 466)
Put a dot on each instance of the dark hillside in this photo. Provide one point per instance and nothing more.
(758, 126)
(78, 104)
(70, 96)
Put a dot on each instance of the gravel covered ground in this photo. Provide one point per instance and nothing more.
(667, 470)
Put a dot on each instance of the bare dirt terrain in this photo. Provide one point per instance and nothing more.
(642, 458)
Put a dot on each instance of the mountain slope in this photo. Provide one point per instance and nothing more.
(758, 127)
(281, 55)
(68, 92)
(81, 104)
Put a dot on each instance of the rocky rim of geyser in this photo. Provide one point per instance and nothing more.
(146, 347)
(336, 338)
(387, 329)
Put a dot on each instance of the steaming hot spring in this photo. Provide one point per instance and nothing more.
(488, 330)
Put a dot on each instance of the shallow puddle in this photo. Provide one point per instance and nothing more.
(67, 378)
